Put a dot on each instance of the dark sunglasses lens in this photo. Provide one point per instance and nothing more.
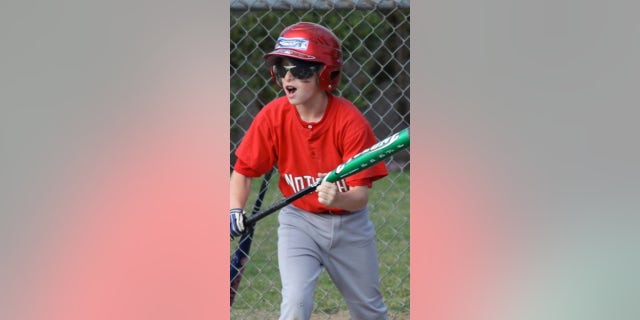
(301, 73)
(279, 71)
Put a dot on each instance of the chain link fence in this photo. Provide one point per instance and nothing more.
(375, 77)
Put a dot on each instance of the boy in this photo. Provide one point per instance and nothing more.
(307, 133)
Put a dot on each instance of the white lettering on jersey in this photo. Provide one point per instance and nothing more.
(342, 186)
(298, 183)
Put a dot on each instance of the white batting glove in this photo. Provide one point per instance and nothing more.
(237, 218)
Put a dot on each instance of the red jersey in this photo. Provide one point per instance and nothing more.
(301, 150)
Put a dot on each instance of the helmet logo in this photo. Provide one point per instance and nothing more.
(292, 43)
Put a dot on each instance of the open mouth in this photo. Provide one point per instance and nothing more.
(290, 89)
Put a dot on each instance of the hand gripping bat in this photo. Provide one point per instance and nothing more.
(365, 159)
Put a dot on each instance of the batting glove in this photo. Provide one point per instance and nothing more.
(237, 217)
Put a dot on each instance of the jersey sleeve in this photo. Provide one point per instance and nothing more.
(358, 138)
(256, 152)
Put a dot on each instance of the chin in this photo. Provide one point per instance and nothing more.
(294, 101)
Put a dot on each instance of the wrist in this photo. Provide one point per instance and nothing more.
(352, 200)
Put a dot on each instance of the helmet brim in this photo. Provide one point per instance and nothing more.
(270, 57)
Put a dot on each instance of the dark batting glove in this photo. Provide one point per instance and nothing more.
(237, 219)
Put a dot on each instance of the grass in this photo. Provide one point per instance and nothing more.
(259, 290)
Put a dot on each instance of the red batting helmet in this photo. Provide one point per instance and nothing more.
(310, 42)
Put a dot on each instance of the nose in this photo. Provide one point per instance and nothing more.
(288, 76)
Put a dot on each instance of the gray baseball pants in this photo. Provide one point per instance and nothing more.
(344, 245)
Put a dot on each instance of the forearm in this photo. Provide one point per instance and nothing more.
(353, 200)
(240, 187)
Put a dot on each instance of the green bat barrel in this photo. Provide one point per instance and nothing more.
(370, 156)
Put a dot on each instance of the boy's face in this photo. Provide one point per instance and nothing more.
(299, 80)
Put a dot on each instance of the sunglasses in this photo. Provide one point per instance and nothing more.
(299, 72)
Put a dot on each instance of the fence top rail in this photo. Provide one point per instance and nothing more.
(245, 5)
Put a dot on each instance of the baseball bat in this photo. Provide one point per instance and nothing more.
(365, 159)
(240, 256)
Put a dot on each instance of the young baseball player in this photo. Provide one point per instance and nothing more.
(307, 132)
